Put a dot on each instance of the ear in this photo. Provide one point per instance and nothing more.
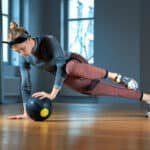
(13, 47)
(29, 40)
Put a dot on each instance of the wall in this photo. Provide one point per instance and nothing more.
(117, 36)
(121, 36)
(145, 45)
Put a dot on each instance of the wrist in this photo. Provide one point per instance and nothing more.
(51, 96)
(55, 90)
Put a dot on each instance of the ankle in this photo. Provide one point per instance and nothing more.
(146, 98)
(25, 113)
(113, 76)
(118, 78)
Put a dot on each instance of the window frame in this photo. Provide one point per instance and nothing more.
(66, 20)
(8, 17)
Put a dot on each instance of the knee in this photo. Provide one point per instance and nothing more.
(69, 67)
(91, 88)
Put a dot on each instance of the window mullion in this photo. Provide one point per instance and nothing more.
(78, 19)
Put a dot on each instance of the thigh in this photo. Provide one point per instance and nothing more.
(83, 70)
(78, 84)
(81, 85)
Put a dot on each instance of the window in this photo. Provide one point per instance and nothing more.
(16, 16)
(5, 18)
(80, 28)
(10, 11)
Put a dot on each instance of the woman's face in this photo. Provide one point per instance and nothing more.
(24, 48)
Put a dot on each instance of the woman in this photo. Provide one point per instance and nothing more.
(69, 68)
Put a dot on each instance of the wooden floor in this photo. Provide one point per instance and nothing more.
(78, 127)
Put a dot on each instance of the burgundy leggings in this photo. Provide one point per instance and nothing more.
(86, 79)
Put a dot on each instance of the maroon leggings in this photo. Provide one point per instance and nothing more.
(86, 79)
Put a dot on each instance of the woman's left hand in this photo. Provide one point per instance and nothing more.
(42, 95)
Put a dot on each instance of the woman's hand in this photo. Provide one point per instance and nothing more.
(50, 96)
(42, 95)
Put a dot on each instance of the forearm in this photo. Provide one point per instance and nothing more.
(25, 81)
(26, 94)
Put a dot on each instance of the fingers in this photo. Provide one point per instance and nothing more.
(22, 116)
(12, 117)
(15, 117)
(37, 93)
(40, 95)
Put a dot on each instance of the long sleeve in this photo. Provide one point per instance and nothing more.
(25, 80)
(51, 57)
(60, 59)
(60, 76)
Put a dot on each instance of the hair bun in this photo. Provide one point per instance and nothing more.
(15, 31)
(13, 25)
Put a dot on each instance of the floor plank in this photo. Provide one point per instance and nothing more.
(78, 127)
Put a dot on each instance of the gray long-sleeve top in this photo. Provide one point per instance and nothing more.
(47, 55)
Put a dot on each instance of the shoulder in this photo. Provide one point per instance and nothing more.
(47, 39)
(49, 36)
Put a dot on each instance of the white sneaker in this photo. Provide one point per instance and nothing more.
(127, 82)
(147, 114)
